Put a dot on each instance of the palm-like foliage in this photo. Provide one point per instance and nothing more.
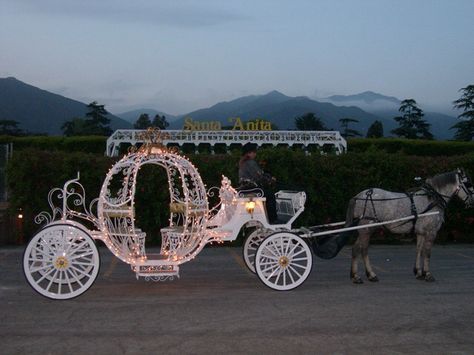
(411, 122)
(346, 131)
(465, 128)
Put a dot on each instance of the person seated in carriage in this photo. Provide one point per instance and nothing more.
(251, 176)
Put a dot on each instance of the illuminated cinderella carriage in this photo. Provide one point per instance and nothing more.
(62, 261)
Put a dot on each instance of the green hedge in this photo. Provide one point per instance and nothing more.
(411, 146)
(86, 144)
(329, 182)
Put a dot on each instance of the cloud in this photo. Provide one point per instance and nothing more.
(160, 13)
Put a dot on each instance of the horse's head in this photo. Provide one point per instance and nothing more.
(465, 188)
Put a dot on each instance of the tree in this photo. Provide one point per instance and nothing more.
(10, 128)
(160, 122)
(75, 127)
(375, 130)
(143, 122)
(95, 123)
(411, 122)
(309, 122)
(465, 128)
(346, 131)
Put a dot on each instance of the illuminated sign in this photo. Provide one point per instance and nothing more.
(237, 125)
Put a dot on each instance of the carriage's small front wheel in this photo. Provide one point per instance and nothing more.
(251, 245)
(283, 261)
(61, 261)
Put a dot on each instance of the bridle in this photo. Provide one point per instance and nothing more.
(465, 184)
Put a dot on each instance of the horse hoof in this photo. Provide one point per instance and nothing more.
(357, 280)
(373, 279)
(429, 278)
(420, 277)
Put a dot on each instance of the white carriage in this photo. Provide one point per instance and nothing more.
(62, 261)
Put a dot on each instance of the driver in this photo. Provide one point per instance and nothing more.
(252, 176)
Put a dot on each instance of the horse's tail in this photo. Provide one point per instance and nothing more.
(327, 247)
(350, 221)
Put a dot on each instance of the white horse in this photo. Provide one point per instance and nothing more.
(377, 205)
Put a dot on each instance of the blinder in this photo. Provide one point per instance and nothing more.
(467, 187)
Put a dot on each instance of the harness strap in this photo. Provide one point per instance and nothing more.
(368, 197)
(414, 210)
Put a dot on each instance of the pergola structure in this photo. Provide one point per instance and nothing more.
(304, 139)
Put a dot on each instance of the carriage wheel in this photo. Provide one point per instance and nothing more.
(251, 245)
(283, 261)
(61, 262)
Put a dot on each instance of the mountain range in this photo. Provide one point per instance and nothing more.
(40, 111)
(132, 116)
(386, 108)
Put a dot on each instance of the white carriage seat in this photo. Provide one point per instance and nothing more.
(289, 204)
(131, 240)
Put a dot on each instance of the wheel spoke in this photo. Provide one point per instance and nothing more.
(74, 275)
(81, 256)
(59, 281)
(46, 274)
(40, 268)
(80, 271)
(73, 246)
(273, 272)
(68, 281)
(270, 268)
(268, 262)
(49, 256)
(292, 250)
(51, 281)
(291, 276)
(34, 260)
(84, 263)
(273, 252)
(298, 253)
(300, 266)
(294, 270)
(270, 257)
(278, 275)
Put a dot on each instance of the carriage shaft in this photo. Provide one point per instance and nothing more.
(370, 225)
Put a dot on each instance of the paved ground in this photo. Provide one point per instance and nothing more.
(219, 307)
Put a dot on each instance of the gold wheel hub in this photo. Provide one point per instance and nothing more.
(283, 261)
(61, 262)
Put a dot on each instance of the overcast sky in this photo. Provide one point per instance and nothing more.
(177, 56)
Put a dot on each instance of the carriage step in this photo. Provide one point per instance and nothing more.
(156, 272)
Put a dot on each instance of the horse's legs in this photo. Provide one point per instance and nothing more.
(417, 270)
(361, 248)
(427, 245)
(364, 241)
(356, 249)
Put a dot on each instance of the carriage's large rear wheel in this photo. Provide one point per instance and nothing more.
(283, 261)
(251, 245)
(61, 261)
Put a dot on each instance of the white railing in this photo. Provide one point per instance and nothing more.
(180, 137)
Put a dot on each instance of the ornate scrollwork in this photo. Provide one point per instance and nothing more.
(73, 199)
(159, 278)
(255, 192)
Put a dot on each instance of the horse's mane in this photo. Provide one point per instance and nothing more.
(441, 180)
